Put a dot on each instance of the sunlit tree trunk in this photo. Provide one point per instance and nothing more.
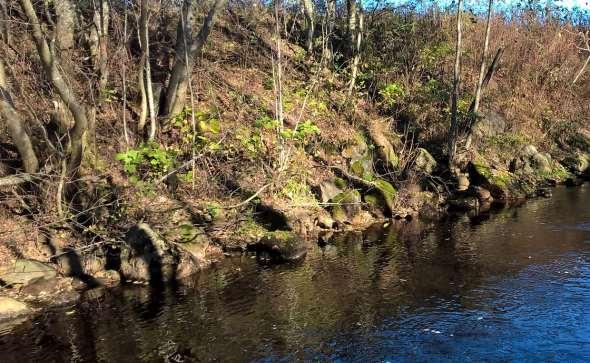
(16, 126)
(308, 11)
(4, 31)
(453, 131)
(188, 46)
(65, 12)
(99, 40)
(146, 71)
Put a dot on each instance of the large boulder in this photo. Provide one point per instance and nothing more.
(578, 164)
(24, 272)
(149, 258)
(280, 246)
(10, 308)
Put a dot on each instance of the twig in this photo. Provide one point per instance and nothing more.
(249, 199)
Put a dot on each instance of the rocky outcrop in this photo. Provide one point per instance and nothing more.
(149, 258)
(424, 163)
(11, 308)
(24, 272)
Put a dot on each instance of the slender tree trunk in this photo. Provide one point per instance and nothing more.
(4, 30)
(581, 70)
(16, 126)
(99, 37)
(351, 7)
(484, 56)
(65, 24)
(178, 84)
(52, 70)
(145, 45)
(357, 50)
(308, 11)
(484, 84)
(453, 131)
(586, 39)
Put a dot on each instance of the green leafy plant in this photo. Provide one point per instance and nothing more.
(302, 132)
(148, 161)
(392, 93)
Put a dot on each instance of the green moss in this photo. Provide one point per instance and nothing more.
(298, 192)
(387, 191)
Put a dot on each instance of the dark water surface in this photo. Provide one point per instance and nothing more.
(513, 285)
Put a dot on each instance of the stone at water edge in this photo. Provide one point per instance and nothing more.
(10, 307)
(328, 190)
(425, 162)
(24, 272)
(280, 246)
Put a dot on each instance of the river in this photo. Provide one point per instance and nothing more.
(509, 285)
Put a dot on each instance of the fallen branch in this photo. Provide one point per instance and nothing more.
(249, 199)
(16, 179)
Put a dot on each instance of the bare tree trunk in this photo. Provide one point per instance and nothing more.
(331, 24)
(52, 70)
(65, 24)
(484, 84)
(453, 131)
(484, 56)
(357, 51)
(308, 10)
(586, 38)
(581, 70)
(99, 40)
(351, 7)
(16, 126)
(145, 45)
(4, 31)
(178, 84)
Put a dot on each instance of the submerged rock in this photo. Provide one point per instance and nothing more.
(280, 246)
(24, 272)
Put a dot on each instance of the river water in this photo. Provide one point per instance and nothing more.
(509, 285)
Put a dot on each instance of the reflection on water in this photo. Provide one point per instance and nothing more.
(510, 285)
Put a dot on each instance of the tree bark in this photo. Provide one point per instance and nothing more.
(16, 127)
(357, 50)
(351, 7)
(145, 46)
(4, 31)
(308, 11)
(99, 40)
(51, 67)
(453, 131)
(484, 56)
(65, 12)
(186, 55)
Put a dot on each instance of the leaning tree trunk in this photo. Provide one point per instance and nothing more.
(16, 126)
(65, 24)
(454, 129)
(52, 69)
(187, 49)
(308, 11)
(482, 68)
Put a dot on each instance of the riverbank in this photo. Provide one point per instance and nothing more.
(510, 282)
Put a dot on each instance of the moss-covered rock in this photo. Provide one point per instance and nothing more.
(424, 162)
(280, 246)
(346, 205)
